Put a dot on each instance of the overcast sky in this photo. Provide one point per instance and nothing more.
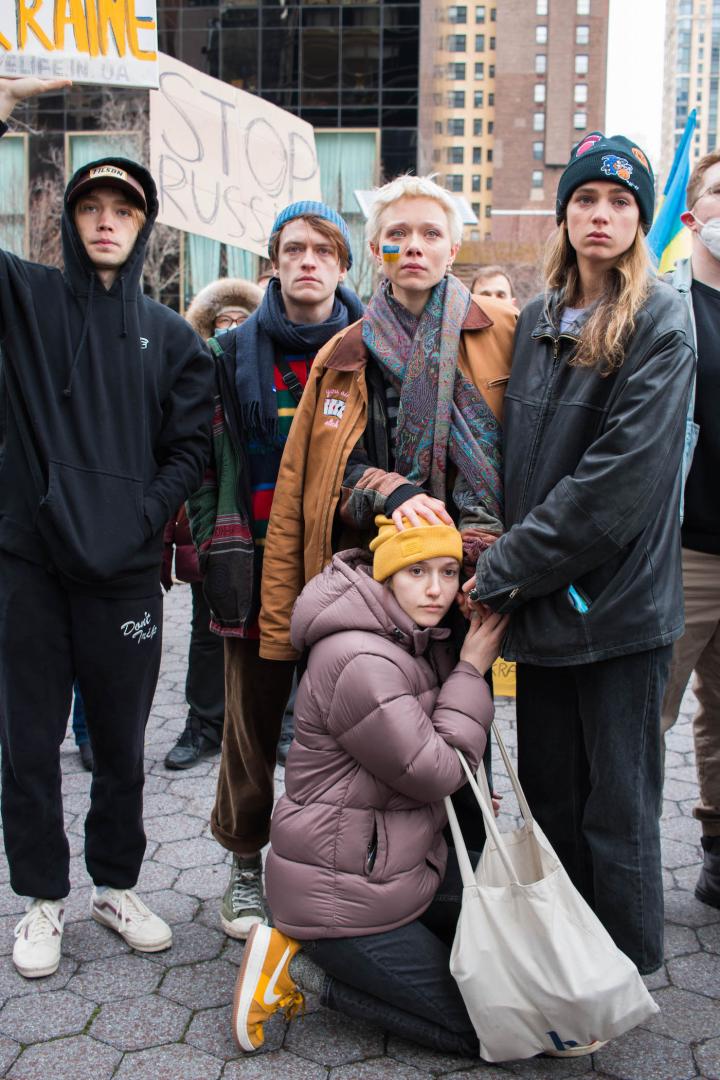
(635, 72)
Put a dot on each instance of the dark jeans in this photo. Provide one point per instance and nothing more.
(48, 637)
(400, 981)
(589, 763)
(205, 682)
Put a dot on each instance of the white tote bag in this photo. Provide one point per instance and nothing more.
(536, 968)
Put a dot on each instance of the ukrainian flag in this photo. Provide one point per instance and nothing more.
(668, 238)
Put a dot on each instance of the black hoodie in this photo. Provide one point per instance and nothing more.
(116, 391)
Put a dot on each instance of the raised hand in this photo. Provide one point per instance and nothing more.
(13, 91)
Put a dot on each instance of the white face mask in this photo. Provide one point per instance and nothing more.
(710, 235)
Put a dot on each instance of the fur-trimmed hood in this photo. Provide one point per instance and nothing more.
(226, 292)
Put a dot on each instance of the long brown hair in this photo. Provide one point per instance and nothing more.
(606, 332)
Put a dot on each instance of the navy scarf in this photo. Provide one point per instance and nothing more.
(265, 333)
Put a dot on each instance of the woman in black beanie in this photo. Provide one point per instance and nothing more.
(589, 565)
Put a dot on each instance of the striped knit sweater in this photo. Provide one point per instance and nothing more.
(220, 528)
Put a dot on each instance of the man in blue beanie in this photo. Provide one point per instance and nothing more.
(262, 367)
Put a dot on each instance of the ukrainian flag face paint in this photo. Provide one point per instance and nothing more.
(414, 246)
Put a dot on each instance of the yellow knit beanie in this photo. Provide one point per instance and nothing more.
(393, 550)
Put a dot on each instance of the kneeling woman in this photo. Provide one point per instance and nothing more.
(358, 873)
(589, 567)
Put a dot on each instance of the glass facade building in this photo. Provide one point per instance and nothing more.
(335, 65)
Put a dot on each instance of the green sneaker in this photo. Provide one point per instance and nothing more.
(242, 905)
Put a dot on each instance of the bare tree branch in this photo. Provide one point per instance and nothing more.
(46, 203)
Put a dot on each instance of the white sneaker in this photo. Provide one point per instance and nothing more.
(39, 935)
(123, 911)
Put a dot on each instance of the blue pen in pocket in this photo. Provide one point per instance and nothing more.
(579, 601)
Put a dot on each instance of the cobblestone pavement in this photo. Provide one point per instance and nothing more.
(110, 1012)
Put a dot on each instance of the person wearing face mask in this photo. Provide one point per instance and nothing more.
(698, 650)
(217, 308)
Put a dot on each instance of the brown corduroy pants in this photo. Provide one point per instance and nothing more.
(256, 693)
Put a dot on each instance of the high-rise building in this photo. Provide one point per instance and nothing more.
(551, 82)
(513, 85)
(458, 72)
(692, 76)
(335, 64)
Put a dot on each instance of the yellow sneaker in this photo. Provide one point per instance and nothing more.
(264, 985)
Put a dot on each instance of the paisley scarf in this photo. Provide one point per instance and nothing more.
(442, 415)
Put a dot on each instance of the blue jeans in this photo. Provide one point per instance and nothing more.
(590, 765)
(400, 980)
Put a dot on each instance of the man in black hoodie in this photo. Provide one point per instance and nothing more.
(105, 408)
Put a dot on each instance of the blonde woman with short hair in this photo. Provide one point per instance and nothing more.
(402, 412)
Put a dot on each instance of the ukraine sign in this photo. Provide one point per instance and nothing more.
(113, 42)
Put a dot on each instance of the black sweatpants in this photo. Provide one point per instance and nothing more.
(48, 637)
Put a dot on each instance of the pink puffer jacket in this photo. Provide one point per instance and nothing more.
(356, 841)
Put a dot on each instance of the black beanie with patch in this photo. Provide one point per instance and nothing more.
(608, 157)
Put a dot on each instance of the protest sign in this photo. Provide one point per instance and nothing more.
(113, 42)
(226, 161)
(503, 675)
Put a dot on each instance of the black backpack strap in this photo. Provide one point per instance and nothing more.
(289, 377)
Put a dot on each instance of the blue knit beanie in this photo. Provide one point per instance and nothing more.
(317, 209)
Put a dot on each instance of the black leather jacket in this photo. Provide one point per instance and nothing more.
(592, 491)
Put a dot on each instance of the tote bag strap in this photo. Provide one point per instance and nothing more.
(491, 829)
(513, 776)
(461, 851)
(481, 790)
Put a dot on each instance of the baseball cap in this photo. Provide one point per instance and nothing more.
(107, 175)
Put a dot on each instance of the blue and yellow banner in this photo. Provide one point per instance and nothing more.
(668, 238)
